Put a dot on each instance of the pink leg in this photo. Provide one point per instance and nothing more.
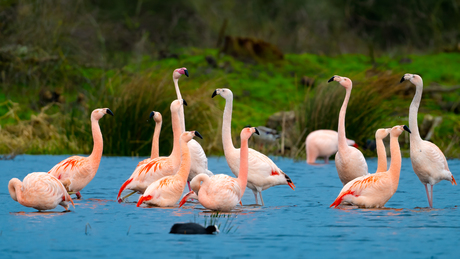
(431, 205)
(255, 196)
(428, 196)
(189, 189)
(78, 195)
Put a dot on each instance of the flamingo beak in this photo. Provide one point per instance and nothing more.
(257, 131)
(402, 79)
(186, 72)
(241, 203)
(142, 199)
(330, 80)
(109, 112)
(453, 181)
(407, 129)
(151, 115)
(198, 134)
(214, 93)
(291, 184)
(184, 102)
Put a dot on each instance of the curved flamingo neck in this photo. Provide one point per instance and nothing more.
(395, 166)
(175, 153)
(181, 110)
(195, 184)
(413, 111)
(14, 188)
(244, 165)
(227, 127)
(184, 168)
(341, 128)
(156, 141)
(381, 156)
(98, 145)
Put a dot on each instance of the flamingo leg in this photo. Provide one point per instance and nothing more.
(431, 205)
(189, 189)
(326, 160)
(255, 196)
(428, 196)
(122, 199)
(261, 199)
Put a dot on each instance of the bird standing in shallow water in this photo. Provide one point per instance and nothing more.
(349, 161)
(374, 190)
(222, 192)
(428, 161)
(166, 191)
(41, 191)
(193, 229)
(263, 172)
(76, 172)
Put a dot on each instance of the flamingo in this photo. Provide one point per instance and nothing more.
(374, 190)
(155, 139)
(154, 169)
(76, 172)
(323, 143)
(263, 172)
(167, 191)
(41, 191)
(199, 159)
(349, 161)
(380, 134)
(428, 161)
(223, 192)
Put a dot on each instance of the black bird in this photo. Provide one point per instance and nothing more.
(192, 228)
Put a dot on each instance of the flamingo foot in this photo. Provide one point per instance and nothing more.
(78, 195)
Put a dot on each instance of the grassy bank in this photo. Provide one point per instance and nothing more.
(31, 123)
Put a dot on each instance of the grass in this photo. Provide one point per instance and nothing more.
(216, 218)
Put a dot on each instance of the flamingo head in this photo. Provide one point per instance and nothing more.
(156, 116)
(382, 133)
(142, 199)
(97, 114)
(224, 92)
(180, 71)
(188, 135)
(413, 78)
(247, 132)
(344, 81)
(177, 104)
(398, 130)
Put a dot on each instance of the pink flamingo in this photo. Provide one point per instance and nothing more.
(155, 139)
(323, 143)
(76, 172)
(222, 192)
(41, 191)
(380, 134)
(154, 169)
(374, 190)
(199, 159)
(349, 161)
(428, 161)
(167, 191)
(263, 172)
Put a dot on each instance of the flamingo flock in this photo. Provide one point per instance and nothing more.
(161, 181)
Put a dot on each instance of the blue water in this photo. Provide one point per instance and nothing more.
(292, 224)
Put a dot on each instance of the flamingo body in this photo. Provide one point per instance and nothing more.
(41, 191)
(323, 143)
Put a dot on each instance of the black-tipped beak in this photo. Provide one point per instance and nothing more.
(407, 129)
(186, 72)
(151, 115)
(330, 80)
(109, 112)
(257, 131)
(402, 80)
(214, 94)
(184, 102)
(198, 134)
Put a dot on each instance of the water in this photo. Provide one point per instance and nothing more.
(292, 224)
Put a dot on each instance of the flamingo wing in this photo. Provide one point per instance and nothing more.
(262, 164)
(71, 168)
(435, 155)
(358, 186)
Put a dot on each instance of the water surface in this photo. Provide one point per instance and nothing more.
(291, 224)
